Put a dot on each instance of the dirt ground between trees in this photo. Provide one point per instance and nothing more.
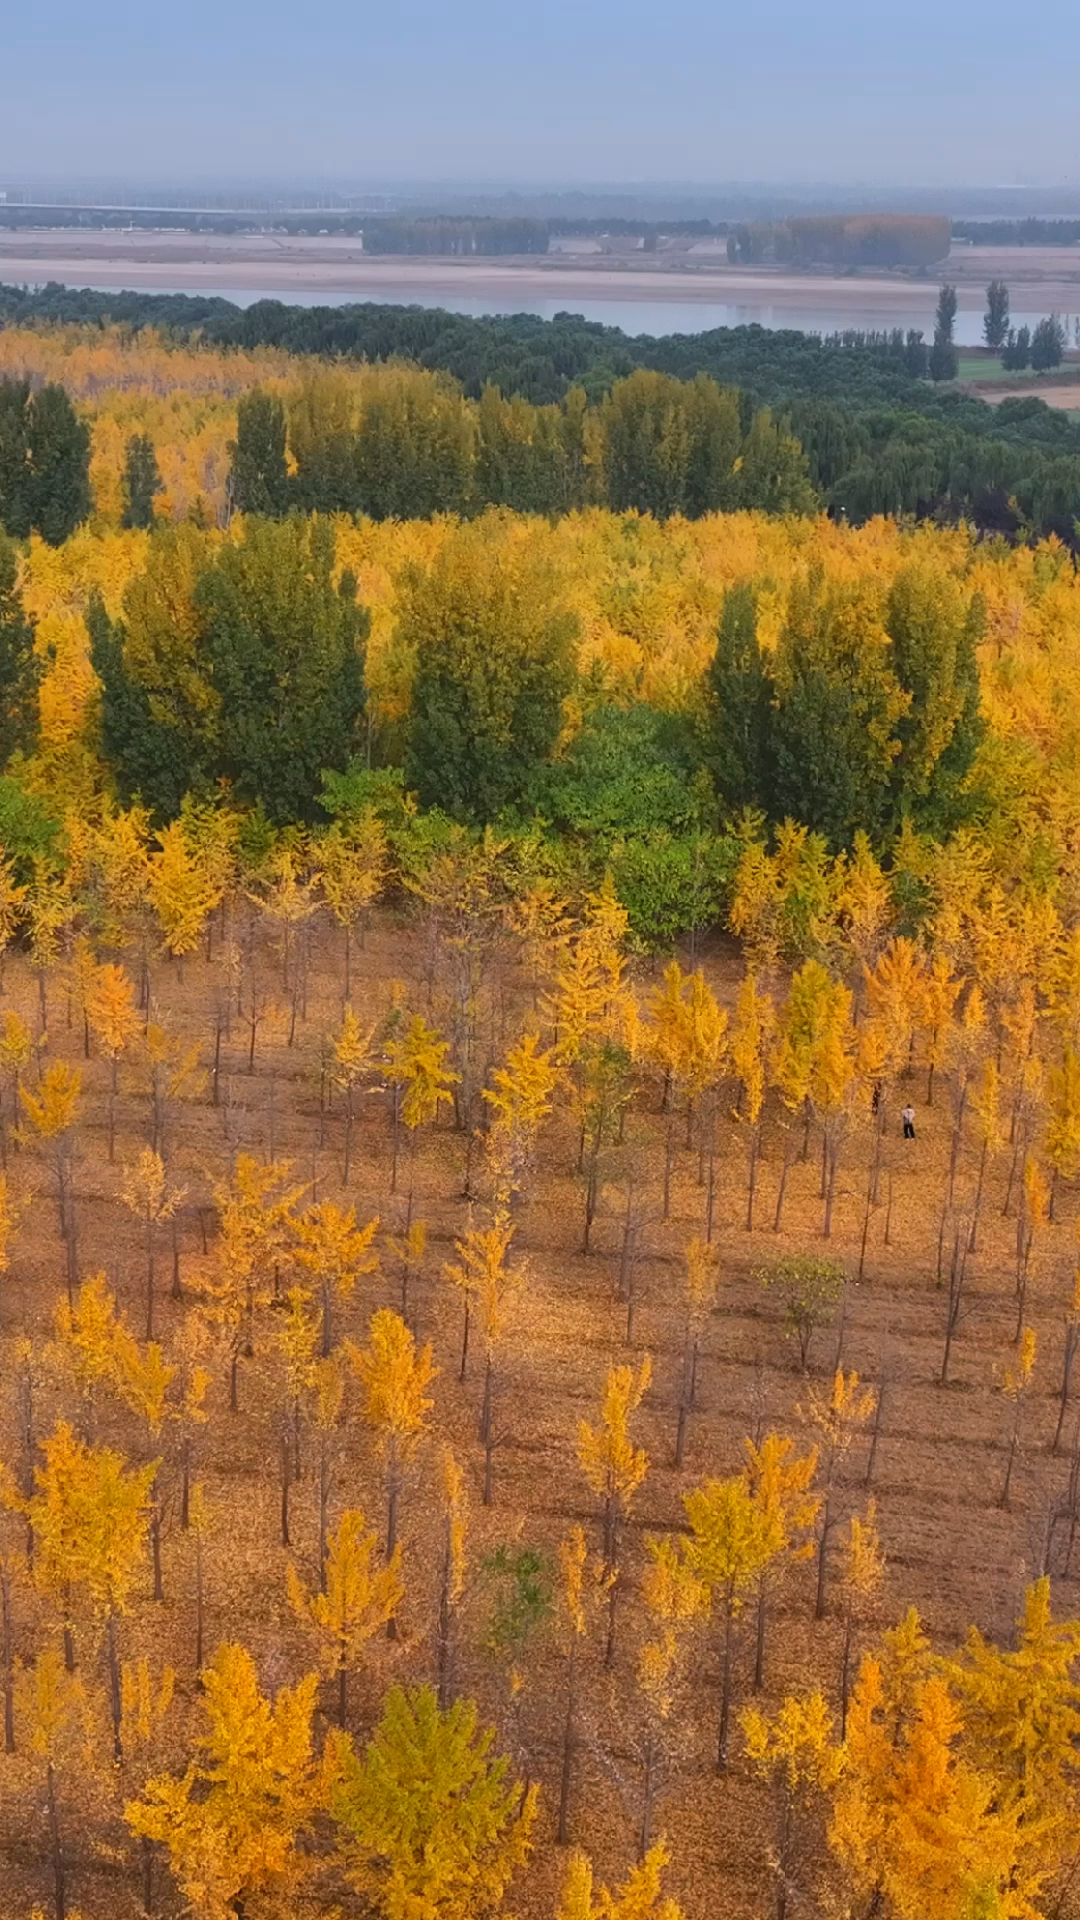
(952, 1551)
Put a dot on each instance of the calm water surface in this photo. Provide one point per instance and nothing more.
(636, 316)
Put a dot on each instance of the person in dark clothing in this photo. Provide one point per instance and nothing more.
(908, 1118)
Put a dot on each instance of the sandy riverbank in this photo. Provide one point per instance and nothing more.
(308, 268)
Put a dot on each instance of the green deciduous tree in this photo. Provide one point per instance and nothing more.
(740, 690)
(44, 462)
(996, 317)
(834, 731)
(494, 659)
(1047, 344)
(245, 664)
(58, 445)
(933, 632)
(259, 478)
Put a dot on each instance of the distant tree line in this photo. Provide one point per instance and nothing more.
(399, 443)
(455, 236)
(1030, 232)
(863, 240)
(878, 436)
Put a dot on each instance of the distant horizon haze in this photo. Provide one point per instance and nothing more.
(482, 96)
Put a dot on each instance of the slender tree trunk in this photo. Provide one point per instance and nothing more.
(876, 1432)
(647, 1797)
(342, 1695)
(324, 1504)
(9, 1660)
(485, 1409)
(199, 1603)
(464, 1339)
(823, 1558)
(686, 1396)
(759, 1646)
(834, 1157)
(393, 1489)
(1014, 1444)
(1072, 1334)
(566, 1768)
(285, 1484)
(725, 1683)
(785, 1169)
(149, 1280)
(55, 1847)
(155, 1545)
(752, 1181)
(115, 1707)
(845, 1672)
(443, 1631)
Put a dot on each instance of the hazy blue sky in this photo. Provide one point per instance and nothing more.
(605, 90)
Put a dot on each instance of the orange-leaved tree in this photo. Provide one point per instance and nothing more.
(231, 1822)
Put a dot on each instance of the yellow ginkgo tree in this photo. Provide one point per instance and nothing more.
(614, 1467)
(231, 1822)
(335, 1252)
(359, 1596)
(394, 1375)
(639, 1898)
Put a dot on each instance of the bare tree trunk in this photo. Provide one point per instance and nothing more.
(285, 1484)
(823, 1556)
(199, 1603)
(725, 1684)
(115, 1707)
(566, 1768)
(1072, 1335)
(55, 1847)
(324, 1504)
(9, 1660)
(759, 1644)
